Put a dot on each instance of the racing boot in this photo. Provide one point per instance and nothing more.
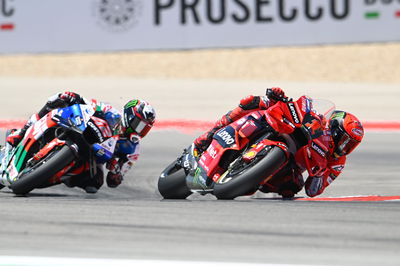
(203, 141)
(16, 135)
(83, 180)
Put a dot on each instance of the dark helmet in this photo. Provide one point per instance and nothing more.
(139, 117)
(347, 132)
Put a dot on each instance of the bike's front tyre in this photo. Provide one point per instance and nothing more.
(172, 183)
(247, 177)
(43, 171)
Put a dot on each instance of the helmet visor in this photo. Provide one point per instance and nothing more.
(140, 127)
(346, 144)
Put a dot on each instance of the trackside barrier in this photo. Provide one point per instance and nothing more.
(43, 26)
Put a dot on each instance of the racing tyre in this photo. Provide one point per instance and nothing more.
(37, 175)
(245, 178)
(172, 183)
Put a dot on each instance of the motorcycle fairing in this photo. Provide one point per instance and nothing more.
(263, 145)
(104, 151)
(226, 137)
(16, 158)
(233, 137)
(77, 114)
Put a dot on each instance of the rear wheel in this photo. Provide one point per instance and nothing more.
(244, 178)
(172, 183)
(38, 174)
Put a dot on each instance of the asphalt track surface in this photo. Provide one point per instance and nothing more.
(133, 222)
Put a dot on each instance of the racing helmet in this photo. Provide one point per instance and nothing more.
(347, 132)
(138, 117)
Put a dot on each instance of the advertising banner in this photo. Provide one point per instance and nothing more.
(42, 26)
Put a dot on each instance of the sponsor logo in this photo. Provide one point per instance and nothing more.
(131, 104)
(294, 113)
(375, 14)
(287, 121)
(198, 178)
(196, 12)
(78, 120)
(358, 131)
(117, 15)
(100, 152)
(226, 137)
(240, 11)
(212, 152)
(338, 115)
(249, 155)
(96, 130)
(7, 10)
(318, 149)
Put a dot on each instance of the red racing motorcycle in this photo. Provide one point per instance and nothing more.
(253, 152)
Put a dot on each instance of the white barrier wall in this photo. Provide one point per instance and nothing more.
(108, 25)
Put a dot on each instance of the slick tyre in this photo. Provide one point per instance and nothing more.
(248, 178)
(172, 183)
(43, 171)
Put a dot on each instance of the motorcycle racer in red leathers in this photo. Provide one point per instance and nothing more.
(135, 122)
(343, 135)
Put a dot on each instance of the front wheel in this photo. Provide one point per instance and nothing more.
(43, 171)
(172, 183)
(245, 178)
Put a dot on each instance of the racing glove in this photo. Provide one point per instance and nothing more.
(113, 180)
(114, 176)
(63, 99)
(276, 94)
(69, 97)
